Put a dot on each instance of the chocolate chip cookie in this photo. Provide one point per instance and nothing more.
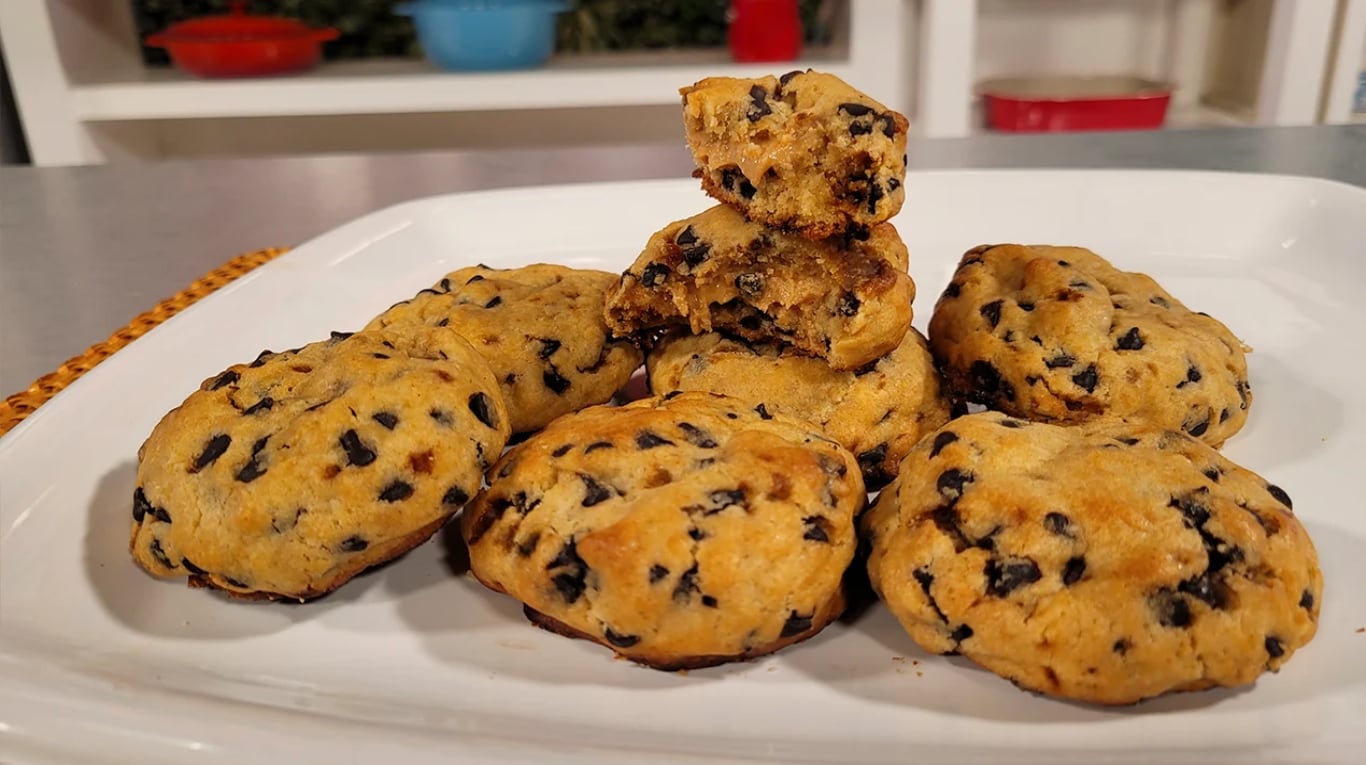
(680, 531)
(285, 477)
(805, 152)
(878, 411)
(540, 328)
(1099, 562)
(1058, 334)
(844, 299)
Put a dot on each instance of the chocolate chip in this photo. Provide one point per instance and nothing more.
(648, 439)
(381, 356)
(442, 417)
(947, 520)
(596, 445)
(618, 640)
(724, 498)
(1127, 440)
(455, 496)
(141, 507)
(696, 254)
(1307, 600)
(548, 347)
(657, 572)
(1171, 609)
(736, 181)
(991, 312)
(888, 125)
(594, 492)
(227, 378)
(1026, 307)
(483, 407)
(261, 359)
(1199, 428)
(1130, 341)
(1086, 379)
(357, 453)
(875, 195)
(1057, 523)
(873, 458)
(750, 285)
(260, 406)
(817, 529)
(561, 451)
(1061, 360)
(848, 304)
(253, 469)
(161, 515)
(235, 583)
(696, 436)
(758, 104)
(570, 581)
(388, 419)
(191, 567)
(494, 302)
(1204, 587)
(1212, 473)
(353, 544)
(160, 554)
(953, 290)
(1195, 513)
(1121, 646)
(963, 632)
(1274, 648)
(785, 79)
(942, 440)
(709, 601)
(1192, 376)
(796, 624)
(763, 412)
(654, 274)
(528, 546)
(986, 381)
(212, 451)
(893, 184)
(1073, 570)
(555, 381)
(1159, 301)
(855, 110)
(396, 491)
(686, 586)
(952, 481)
(1005, 578)
(1224, 415)
(1280, 495)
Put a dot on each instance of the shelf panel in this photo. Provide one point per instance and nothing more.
(406, 86)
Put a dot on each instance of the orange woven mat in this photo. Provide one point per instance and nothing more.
(15, 408)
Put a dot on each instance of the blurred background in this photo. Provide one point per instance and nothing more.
(95, 81)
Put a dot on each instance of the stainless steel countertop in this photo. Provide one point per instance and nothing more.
(83, 250)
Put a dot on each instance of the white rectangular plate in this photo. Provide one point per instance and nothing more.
(100, 663)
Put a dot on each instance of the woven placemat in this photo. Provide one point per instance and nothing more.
(15, 408)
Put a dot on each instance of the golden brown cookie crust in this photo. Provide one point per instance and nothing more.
(1099, 562)
(672, 528)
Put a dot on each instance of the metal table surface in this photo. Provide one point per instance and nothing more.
(83, 250)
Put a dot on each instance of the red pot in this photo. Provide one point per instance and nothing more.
(1055, 104)
(765, 30)
(241, 45)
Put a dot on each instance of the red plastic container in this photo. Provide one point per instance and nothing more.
(1056, 104)
(765, 30)
(242, 45)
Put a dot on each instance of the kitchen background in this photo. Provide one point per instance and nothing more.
(89, 87)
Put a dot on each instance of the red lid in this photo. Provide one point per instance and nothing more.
(238, 25)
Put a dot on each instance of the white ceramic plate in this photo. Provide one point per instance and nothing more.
(100, 663)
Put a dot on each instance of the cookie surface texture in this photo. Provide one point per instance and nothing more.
(540, 328)
(805, 152)
(878, 412)
(1058, 334)
(847, 301)
(287, 476)
(680, 532)
(1096, 562)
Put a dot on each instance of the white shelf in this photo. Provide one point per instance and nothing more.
(408, 86)
(1185, 116)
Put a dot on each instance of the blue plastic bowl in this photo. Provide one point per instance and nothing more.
(485, 35)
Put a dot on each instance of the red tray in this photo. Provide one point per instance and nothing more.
(1055, 104)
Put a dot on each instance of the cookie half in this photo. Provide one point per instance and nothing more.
(805, 152)
(679, 531)
(539, 327)
(1058, 334)
(1097, 562)
(285, 477)
(846, 300)
(878, 411)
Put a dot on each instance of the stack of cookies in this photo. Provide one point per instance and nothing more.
(793, 293)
